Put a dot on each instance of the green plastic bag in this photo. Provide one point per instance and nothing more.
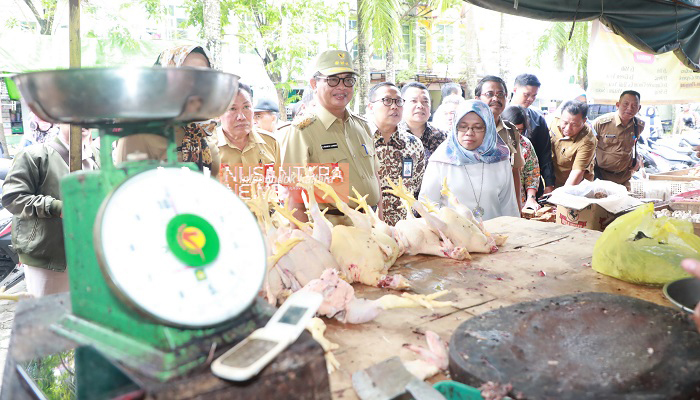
(640, 248)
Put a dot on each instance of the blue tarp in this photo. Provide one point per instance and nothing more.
(653, 26)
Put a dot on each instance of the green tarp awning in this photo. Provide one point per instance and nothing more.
(653, 26)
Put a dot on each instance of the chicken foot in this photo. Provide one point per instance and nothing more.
(317, 328)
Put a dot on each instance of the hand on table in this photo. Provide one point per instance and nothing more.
(693, 267)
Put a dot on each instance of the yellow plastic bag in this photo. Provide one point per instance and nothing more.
(640, 248)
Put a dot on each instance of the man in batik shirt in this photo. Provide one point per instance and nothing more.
(416, 112)
(400, 153)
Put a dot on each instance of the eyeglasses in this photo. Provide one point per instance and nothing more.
(500, 95)
(478, 130)
(388, 101)
(333, 81)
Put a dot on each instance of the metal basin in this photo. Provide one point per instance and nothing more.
(685, 293)
(94, 96)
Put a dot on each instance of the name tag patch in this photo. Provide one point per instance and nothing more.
(610, 136)
(407, 168)
(329, 146)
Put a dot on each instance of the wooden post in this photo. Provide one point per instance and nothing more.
(76, 137)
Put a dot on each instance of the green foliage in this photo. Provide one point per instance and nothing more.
(55, 375)
(195, 12)
(11, 23)
(154, 9)
(406, 75)
(382, 18)
(281, 33)
(49, 7)
(556, 37)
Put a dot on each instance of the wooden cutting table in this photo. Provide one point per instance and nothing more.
(539, 260)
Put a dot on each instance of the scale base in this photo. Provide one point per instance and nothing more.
(148, 360)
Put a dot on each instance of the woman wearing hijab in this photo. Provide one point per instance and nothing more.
(39, 131)
(476, 163)
(195, 142)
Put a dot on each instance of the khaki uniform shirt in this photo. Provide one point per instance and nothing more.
(571, 153)
(614, 152)
(260, 149)
(511, 136)
(155, 147)
(282, 130)
(320, 137)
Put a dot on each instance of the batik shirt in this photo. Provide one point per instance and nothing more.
(530, 174)
(431, 139)
(402, 156)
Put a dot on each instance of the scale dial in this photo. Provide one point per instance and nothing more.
(180, 248)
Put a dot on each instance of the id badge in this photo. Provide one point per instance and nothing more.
(407, 168)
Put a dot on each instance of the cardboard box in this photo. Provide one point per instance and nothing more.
(592, 217)
(592, 205)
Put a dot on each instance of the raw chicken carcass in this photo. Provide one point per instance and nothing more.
(309, 258)
(413, 235)
(434, 358)
(458, 227)
(463, 210)
(339, 300)
(363, 254)
(416, 236)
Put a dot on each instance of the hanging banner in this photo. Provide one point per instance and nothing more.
(615, 66)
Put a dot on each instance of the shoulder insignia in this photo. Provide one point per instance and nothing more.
(605, 118)
(304, 121)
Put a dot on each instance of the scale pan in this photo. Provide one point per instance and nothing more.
(95, 96)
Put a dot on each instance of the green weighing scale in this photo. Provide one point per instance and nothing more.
(165, 264)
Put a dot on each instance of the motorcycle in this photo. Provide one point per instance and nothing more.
(662, 158)
(11, 271)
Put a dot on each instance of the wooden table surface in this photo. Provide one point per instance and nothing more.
(539, 260)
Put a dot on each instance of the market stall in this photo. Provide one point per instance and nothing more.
(540, 260)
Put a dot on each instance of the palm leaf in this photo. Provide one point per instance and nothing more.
(383, 20)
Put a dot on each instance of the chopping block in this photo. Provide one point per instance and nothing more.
(585, 346)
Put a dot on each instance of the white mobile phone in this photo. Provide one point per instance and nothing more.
(250, 356)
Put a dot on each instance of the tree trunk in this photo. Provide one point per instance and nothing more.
(503, 53)
(212, 31)
(362, 61)
(44, 23)
(390, 69)
(281, 99)
(559, 57)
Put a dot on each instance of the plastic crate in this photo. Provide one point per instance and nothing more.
(663, 190)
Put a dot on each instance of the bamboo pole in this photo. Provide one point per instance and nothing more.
(76, 137)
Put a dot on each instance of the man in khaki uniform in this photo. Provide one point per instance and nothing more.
(492, 91)
(239, 141)
(573, 145)
(616, 156)
(330, 133)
